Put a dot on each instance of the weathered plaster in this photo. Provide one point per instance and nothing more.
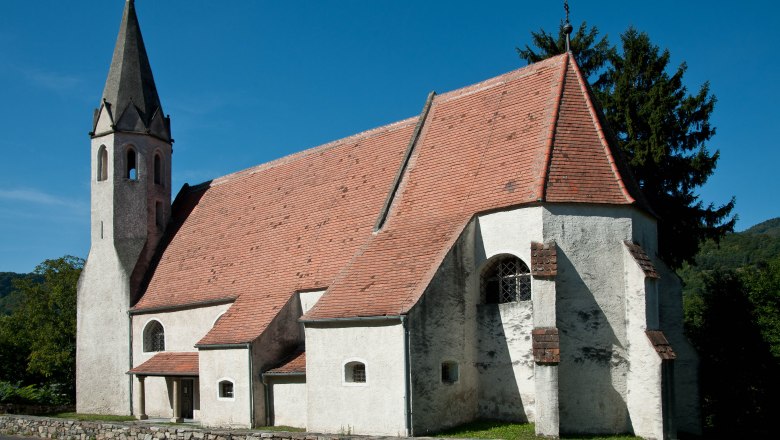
(377, 408)
(591, 315)
(442, 327)
(124, 235)
(505, 361)
(280, 339)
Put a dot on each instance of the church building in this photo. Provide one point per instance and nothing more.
(489, 258)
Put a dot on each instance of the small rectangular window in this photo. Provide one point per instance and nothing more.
(449, 372)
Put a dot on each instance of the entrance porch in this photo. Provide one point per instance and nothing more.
(179, 374)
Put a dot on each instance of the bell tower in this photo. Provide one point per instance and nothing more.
(131, 150)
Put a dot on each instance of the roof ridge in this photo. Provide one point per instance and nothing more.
(600, 130)
(550, 141)
(367, 134)
(498, 80)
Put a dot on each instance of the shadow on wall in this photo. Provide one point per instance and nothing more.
(592, 359)
(499, 392)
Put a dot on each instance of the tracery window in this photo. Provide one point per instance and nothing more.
(507, 279)
(154, 337)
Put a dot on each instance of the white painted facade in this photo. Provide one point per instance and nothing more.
(183, 329)
(216, 366)
(288, 401)
(374, 407)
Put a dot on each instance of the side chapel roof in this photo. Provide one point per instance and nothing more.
(306, 221)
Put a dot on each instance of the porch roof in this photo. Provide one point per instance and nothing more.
(168, 364)
(292, 366)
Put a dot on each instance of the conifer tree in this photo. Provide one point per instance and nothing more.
(662, 130)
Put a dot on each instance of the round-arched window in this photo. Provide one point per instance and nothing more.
(506, 279)
(102, 163)
(154, 337)
(355, 372)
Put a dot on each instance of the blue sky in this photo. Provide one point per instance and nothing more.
(247, 81)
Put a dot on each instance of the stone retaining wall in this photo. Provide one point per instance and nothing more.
(64, 429)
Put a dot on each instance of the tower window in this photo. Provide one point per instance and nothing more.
(507, 279)
(157, 169)
(154, 337)
(159, 215)
(102, 163)
(355, 373)
(132, 165)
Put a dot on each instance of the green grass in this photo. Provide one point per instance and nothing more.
(279, 428)
(92, 417)
(511, 431)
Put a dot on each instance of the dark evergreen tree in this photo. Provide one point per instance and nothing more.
(592, 54)
(661, 129)
(739, 378)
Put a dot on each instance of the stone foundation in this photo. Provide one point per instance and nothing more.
(64, 429)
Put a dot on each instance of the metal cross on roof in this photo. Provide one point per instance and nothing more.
(567, 28)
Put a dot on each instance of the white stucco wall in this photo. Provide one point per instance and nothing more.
(376, 407)
(591, 315)
(103, 336)
(123, 231)
(309, 298)
(215, 366)
(288, 397)
(644, 387)
(183, 329)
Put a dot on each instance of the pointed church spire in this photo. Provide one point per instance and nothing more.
(130, 91)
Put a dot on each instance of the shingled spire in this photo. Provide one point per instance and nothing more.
(130, 95)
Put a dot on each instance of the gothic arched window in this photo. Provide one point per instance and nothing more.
(102, 163)
(154, 337)
(132, 164)
(506, 279)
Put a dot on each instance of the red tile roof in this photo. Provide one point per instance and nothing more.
(306, 221)
(661, 345)
(641, 258)
(169, 364)
(483, 147)
(295, 364)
